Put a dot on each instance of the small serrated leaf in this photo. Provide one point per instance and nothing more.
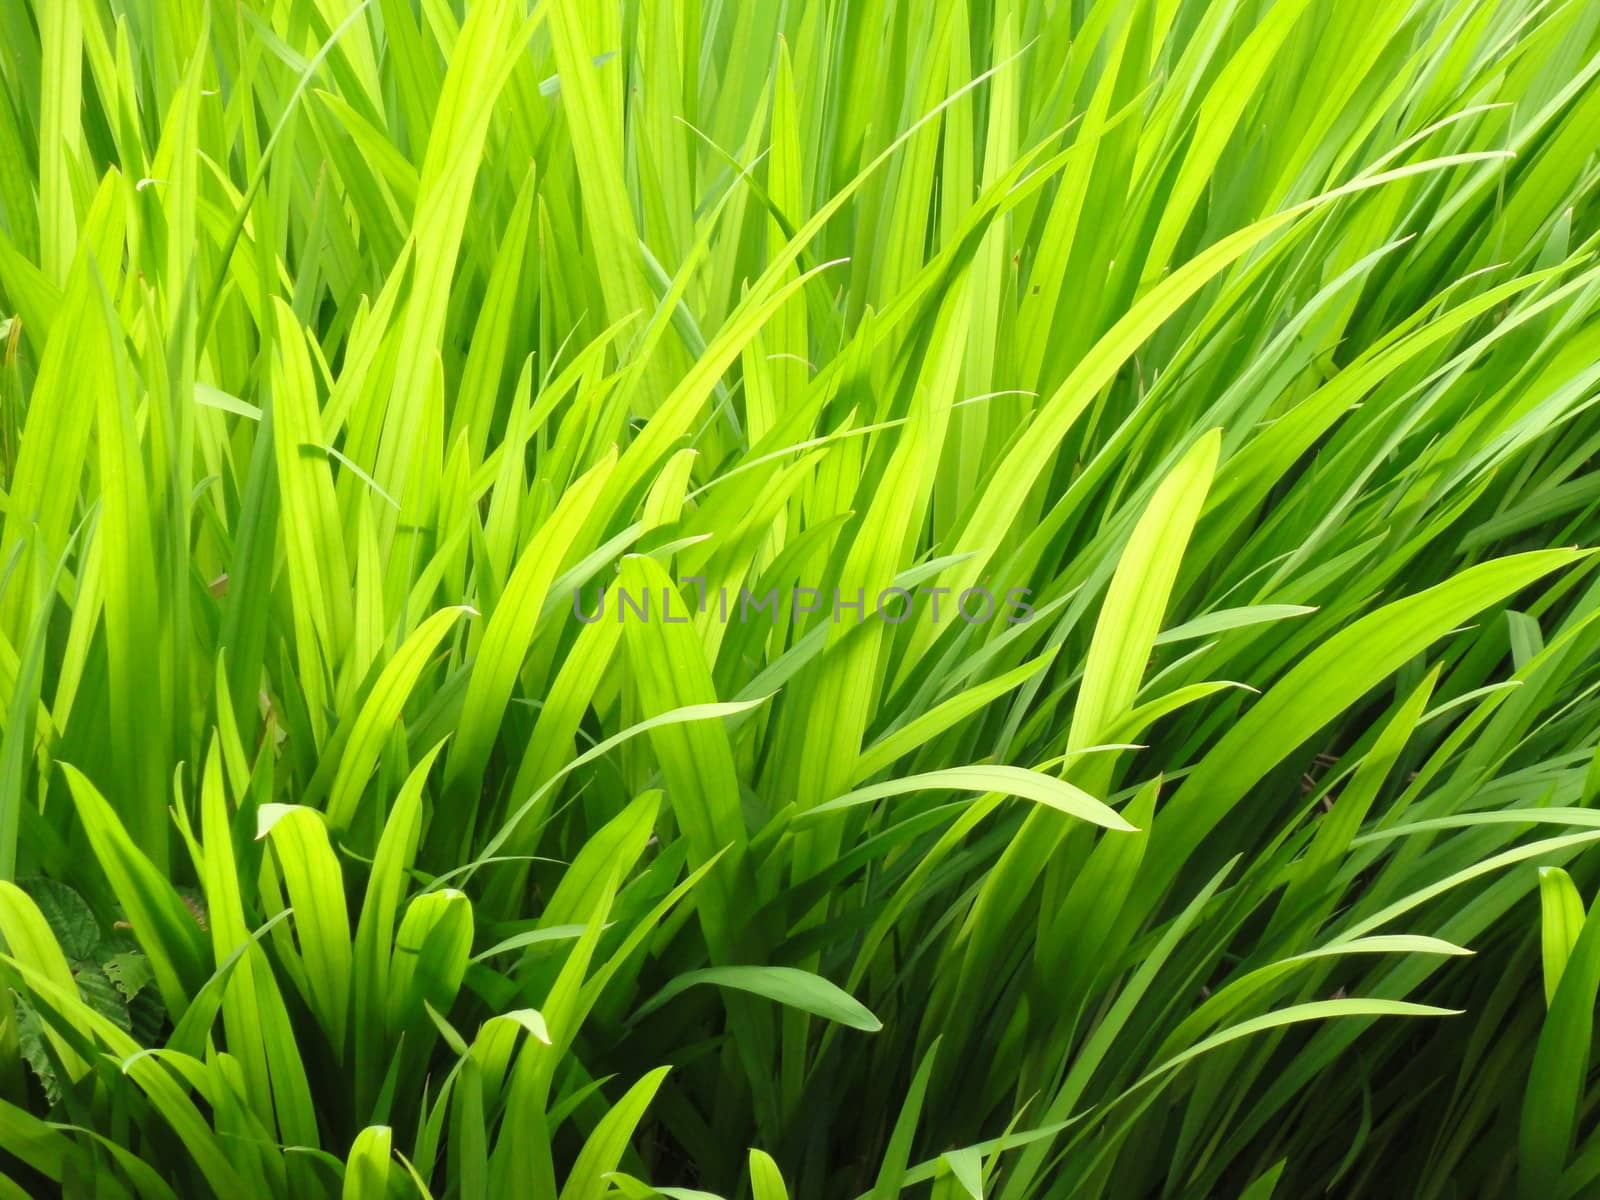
(100, 994)
(36, 1051)
(130, 972)
(68, 914)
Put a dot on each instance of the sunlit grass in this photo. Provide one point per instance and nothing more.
(499, 505)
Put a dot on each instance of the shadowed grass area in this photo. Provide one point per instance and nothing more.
(945, 599)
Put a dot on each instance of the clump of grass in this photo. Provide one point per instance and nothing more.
(500, 503)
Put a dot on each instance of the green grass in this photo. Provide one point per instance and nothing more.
(352, 349)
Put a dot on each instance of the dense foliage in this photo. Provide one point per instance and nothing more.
(460, 734)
